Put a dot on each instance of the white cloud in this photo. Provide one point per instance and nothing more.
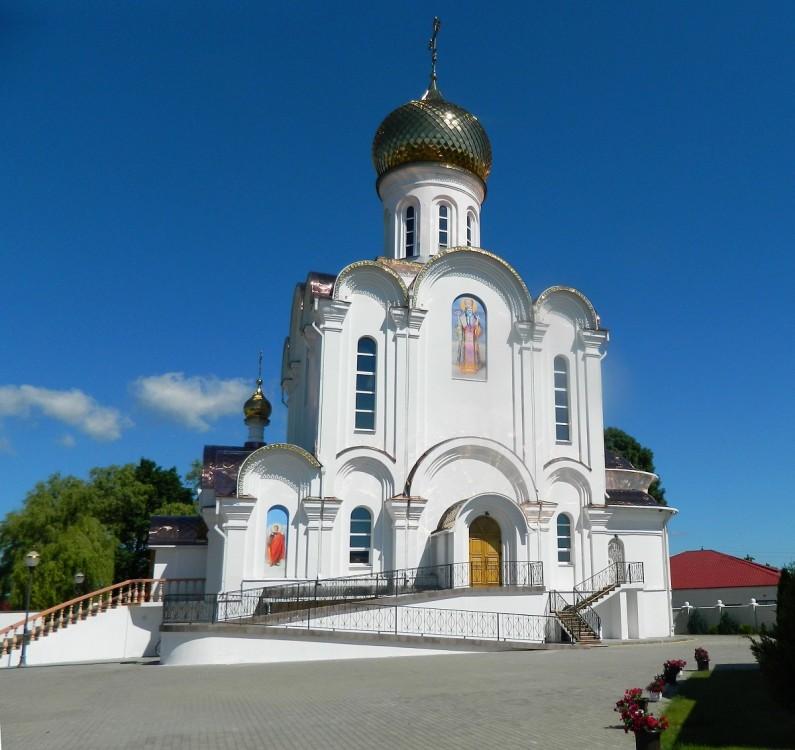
(67, 441)
(73, 407)
(192, 401)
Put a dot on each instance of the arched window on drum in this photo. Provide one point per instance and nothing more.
(410, 232)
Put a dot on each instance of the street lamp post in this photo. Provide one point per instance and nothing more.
(79, 578)
(31, 561)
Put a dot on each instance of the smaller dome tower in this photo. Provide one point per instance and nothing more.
(257, 412)
(432, 158)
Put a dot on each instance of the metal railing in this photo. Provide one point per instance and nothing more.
(399, 619)
(615, 574)
(263, 602)
(576, 617)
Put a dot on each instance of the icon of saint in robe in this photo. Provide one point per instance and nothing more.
(469, 331)
(276, 546)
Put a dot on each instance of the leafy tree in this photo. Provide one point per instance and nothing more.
(639, 456)
(98, 526)
(776, 652)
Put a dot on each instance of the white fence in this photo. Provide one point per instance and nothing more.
(753, 614)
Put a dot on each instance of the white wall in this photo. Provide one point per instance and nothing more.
(179, 649)
(180, 561)
(735, 595)
(121, 633)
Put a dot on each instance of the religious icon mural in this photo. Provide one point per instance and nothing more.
(469, 338)
(276, 544)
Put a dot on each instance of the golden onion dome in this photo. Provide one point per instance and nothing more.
(258, 406)
(432, 129)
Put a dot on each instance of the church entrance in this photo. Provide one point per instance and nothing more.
(485, 545)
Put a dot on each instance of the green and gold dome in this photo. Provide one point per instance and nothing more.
(431, 129)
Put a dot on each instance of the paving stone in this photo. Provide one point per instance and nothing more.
(551, 700)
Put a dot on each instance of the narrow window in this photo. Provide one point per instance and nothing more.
(444, 220)
(564, 539)
(562, 421)
(411, 245)
(365, 384)
(361, 534)
(469, 230)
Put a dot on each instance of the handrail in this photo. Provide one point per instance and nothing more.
(586, 616)
(615, 574)
(269, 600)
(131, 591)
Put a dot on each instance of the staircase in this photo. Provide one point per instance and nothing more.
(578, 618)
(133, 591)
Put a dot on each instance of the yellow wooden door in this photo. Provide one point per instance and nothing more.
(484, 552)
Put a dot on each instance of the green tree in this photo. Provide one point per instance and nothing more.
(98, 526)
(638, 455)
(776, 652)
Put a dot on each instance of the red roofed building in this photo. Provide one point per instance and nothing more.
(701, 577)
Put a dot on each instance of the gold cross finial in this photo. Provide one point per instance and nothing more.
(437, 24)
(259, 370)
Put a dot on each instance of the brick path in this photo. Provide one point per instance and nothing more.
(543, 699)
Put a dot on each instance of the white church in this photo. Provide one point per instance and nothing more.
(444, 424)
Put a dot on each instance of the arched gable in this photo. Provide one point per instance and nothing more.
(572, 476)
(478, 264)
(570, 303)
(368, 461)
(283, 462)
(480, 449)
(373, 279)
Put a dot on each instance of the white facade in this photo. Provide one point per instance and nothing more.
(425, 447)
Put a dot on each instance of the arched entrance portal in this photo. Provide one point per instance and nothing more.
(485, 552)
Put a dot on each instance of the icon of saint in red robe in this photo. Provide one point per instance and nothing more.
(276, 546)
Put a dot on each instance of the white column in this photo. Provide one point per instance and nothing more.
(590, 415)
(235, 515)
(522, 402)
(406, 512)
(320, 515)
(539, 417)
(332, 316)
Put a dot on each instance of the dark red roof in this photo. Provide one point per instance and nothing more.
(707, 569)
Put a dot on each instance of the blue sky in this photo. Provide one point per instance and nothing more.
(169, 170)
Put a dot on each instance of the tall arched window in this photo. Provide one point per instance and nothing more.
(562, 418)
(365, 384)
(361, 536)
(410, 232)
(444, 225)
(470, 221)
(564, 538)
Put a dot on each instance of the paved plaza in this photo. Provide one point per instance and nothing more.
(529, 699)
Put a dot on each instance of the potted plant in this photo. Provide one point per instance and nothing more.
(647, 728)
(655, 688)
(671, 670)
(702, 659)
(632, 697)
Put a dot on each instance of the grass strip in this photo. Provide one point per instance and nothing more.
(729, 709)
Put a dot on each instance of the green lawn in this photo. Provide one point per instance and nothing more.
(729, 709)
